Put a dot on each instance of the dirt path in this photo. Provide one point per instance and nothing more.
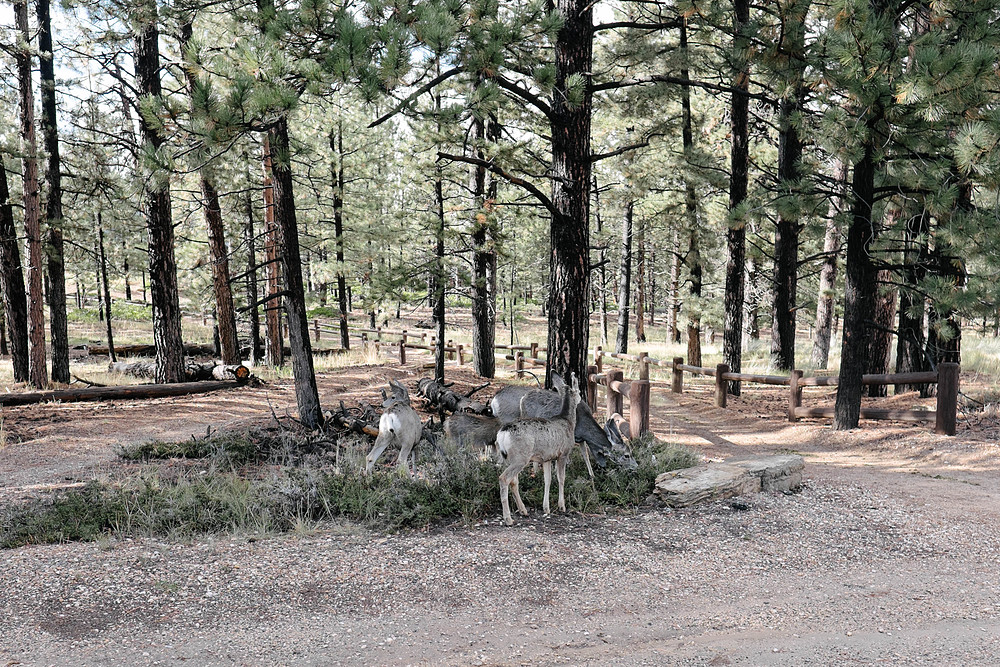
(887, 556)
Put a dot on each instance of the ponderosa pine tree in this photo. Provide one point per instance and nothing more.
(15, 302)
(625, 279)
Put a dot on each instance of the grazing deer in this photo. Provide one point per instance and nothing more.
(530, 439)
(399, 425)
(470, 430)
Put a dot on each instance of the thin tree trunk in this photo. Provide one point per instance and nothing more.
(640, 269)
(625, 280)
(15, 302)
(306, 392)
(337, 146)
(674, 297)
(569, 232)
(484, 259)
(736, 229)
(273, 340)
(249, 238)
(879, 338)
(56, 269)
(440, 277)
(128, 282)
(910, 353)
(162, 267)
(825, 301)
(694, 261)
(651, 281)
(32, 223)
(603, 264)
(107, 289)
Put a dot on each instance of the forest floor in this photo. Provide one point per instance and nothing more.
(888, 555)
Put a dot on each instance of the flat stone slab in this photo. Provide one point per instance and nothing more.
(709, 481)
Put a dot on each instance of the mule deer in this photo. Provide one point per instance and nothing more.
(470, 430)
(399, 425)
(530, 439)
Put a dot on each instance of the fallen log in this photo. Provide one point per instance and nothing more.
(193, 371)
(443, 398)
(135, 391)
(143, 350)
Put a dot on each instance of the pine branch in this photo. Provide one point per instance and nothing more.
(664, 78)
(524, 94)
(510, 178)
(444, 76)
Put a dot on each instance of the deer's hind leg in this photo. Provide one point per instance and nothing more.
(508, 481)
(561, 479)
(547, 472)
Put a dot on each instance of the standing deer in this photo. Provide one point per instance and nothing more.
(530, 439)
(470, 430)
(399, 425)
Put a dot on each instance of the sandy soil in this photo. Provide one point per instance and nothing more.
(887, 556)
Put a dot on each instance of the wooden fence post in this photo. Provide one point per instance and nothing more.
(638, 407)
(534, 350)
(450, 348)
(519, 364)
(591, 388)
(461, 354)
(720, 385)
(599, 358)
(316, 329)
(402, 352)
(614, 399)
(644, 365)
(378, 333)
(404, 336)
(677, 381)
(947, 398)
(794, 394)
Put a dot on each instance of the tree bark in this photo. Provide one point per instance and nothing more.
(273, 339)
(603, 264)
(337, 146)
(306, 392)
(910, 353)
(32, 224)
(569, 232)
(55, 264)
(736, 228)
(674, 309)
(249, 238)
(625, 280)
(693, 258)
(484, 257)
(640, 288)
(15, 302)
(107, 289)
(825, 300)
(879, 338)
(162, 266)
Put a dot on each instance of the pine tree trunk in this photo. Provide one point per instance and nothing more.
(910, 357)
(640, 301)
(162, 267)
(569, 233)
(738, 181)
(128, 283)
(603, 263)
(32, 224)
(337, 146)
(306, 393)
(250, 239)
(439, 276)
(651, 281)
(693, 261)
(15, 302)
(55, 264)
(107, 289)
(752, 301)
(274, 343)
(825, 300)
(625, 280)
(879, 338)
(674, 298)
(860, 292)
(484, 258)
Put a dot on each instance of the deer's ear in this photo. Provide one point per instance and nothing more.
(557, 381)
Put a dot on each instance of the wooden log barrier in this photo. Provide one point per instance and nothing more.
(677, 379)
(945, 421)
(135, 391)
(721, 387)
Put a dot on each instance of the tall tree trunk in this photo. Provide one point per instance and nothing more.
(569, 233)
(15, 303)
(32, 224)
(944, 335)
(56, 269)
(752, 300)
(224, 309)
(651, 281)
(674, 297)
(162, 267)
(250, 239)
(625, 280)
(640, 289)
(274, 354)
(694, 261)
(107, 289)
(603, 264)
(910, 354)
(440, 277)
(825, 300)
(484, 258)
(879, 338)
(736, 229)
(337, 146)
(128, 282)
(306, 393)
(860, 291)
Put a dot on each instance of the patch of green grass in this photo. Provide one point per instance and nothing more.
(232, 493)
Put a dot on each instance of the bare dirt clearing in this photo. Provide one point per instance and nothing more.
(888, 556)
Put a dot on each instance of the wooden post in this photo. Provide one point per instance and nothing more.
(720, 385)
(461, 354)
(534, 350)
(404, 336)
(677, 381)
(364, 340)
(402, 352)
(614, 402)
(947, 398)
(591, 388)
(316, 329)
(794, 394)
(519, 364)
(638, 407)
(644, 365)
(378, 333)
(599, 359)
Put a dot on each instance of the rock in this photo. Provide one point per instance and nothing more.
(708, 481)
